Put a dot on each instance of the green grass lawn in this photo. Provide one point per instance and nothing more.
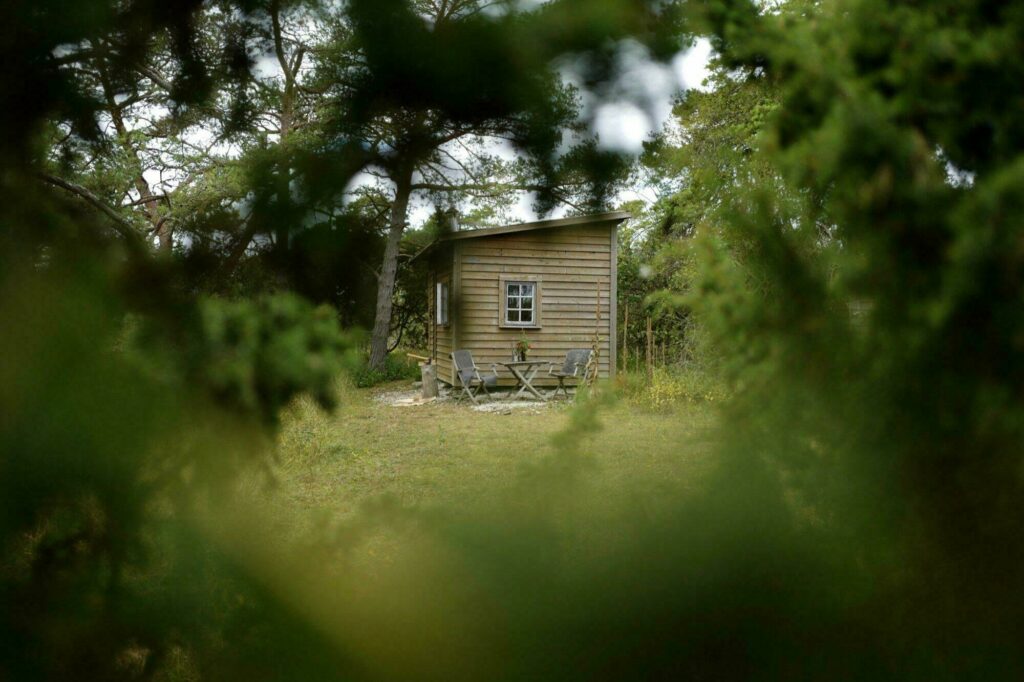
(447, 455)
(438, 538)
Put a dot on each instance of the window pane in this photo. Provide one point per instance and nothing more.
(526, 290)
(527, 316)
(526, 303)
(513, 289)
(513, 316)
(441, 303)
(513, 302)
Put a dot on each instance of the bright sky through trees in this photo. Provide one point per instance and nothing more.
(622, 125)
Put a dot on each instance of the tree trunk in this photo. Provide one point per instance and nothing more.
(161, 227)
(389, 269)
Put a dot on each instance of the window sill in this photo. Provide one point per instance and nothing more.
(519, 326)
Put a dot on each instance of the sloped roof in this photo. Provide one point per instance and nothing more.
(593, 219)
(616, 216)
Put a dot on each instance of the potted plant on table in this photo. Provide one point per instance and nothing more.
(521, 348)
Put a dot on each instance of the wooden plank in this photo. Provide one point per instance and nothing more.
(613, 295)
(564, 299)
(583, 283)
(479, 297)
(557, 358)
(591, 239)
(570, 306)
(475, 270)
(536, 261)
(551, 303)
(549, 333)
(456, 325)
(480, 264)
(572, 290)
(547, 341)
(484, 323)
(478, 329)
(478, 282)
(562, 288)
(526, 251)
(564, 312)
(584, 243)
(504, 350)
(534, 249)
(575, 308)
(431, 332)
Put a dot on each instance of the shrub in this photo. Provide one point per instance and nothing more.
(395, 368)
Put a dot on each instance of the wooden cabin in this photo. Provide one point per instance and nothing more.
(553, 281)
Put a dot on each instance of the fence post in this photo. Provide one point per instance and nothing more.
(650, 350)
(625, 341)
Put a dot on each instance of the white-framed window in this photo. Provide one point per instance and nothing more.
(441, 302)
(520, 303)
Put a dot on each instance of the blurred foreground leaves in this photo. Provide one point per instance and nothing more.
(865, 519)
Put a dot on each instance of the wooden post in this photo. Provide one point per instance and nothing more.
(428, 374)
(594, 364)
(650, 350)
(625, 340)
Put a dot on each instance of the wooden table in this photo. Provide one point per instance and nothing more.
(524, 371)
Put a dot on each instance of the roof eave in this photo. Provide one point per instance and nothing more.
(594, 219)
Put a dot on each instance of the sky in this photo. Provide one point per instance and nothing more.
(640, 105)
(635, 106)
(624, 126)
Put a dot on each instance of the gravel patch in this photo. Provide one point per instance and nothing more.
(501, 406)
(497, 405)
(410, 398)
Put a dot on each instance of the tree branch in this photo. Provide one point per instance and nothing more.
(123, 227)
(154, 76)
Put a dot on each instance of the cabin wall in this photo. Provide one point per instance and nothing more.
(571, 264)
(439, 337)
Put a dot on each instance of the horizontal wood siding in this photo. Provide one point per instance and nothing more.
(439, 339)
(573, 264)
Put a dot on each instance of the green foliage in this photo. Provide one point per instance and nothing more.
(255, 356)
(396, 367)
(863, 519)
(671, 387)
(704, 160)
(650, 279)
(896, 430)
(106, 459)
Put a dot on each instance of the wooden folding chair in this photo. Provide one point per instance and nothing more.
(573, 367)
(469, 375)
